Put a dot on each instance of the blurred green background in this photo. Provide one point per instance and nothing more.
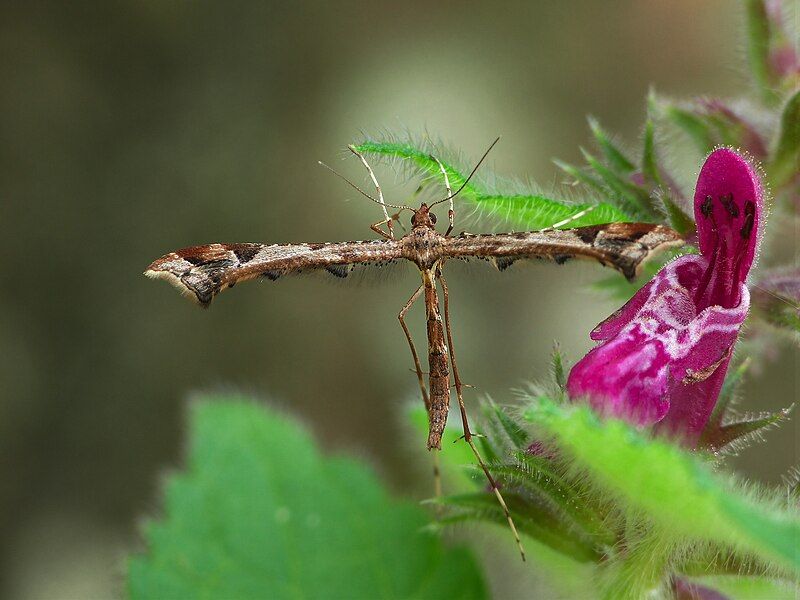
(128, 129)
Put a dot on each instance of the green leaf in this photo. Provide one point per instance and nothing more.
(758, 46)
(786, 161)
(258, 512)
(672, 487)
(616, 159)
(531, 211)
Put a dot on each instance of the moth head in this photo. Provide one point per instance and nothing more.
(423, 217)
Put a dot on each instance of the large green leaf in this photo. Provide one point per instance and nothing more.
(672, 487)
(259, 513)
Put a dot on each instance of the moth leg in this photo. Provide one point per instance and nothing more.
(386, 218)
(437, 476)
(376, 227)
(450, 213)
(468, 435)
(417, 366)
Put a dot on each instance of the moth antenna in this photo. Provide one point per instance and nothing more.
(474, 170)
(358, 189)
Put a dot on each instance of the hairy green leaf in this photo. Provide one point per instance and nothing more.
(673, 488)
(258, 512)
(532, 211)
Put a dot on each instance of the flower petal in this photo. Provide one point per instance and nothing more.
(729, 205)
(659, 357)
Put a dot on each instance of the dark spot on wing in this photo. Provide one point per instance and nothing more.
(245, 253)
(271, 275)
(637, 234)
(194, 260)
(503, 262)
(338, 270)
(587, 234)
(560, 259)
(202, 287)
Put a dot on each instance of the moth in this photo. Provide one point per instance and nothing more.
(202, 272)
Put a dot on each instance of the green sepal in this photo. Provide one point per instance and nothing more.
(580, 175)
(557, 371)
(694, 126)
(649, 160)
(532, 520)
(744, 428)
(786, 159)
(616, 159)
(501, 427)
(628, 197)
(727, 394)
(679, 220)
(758, 49)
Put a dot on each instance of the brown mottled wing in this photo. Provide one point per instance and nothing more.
(622, 246)
(201, 272)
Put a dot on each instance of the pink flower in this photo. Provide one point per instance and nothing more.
(663, 356)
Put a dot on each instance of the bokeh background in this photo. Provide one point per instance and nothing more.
(128, 129)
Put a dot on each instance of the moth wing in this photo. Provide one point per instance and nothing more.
(621, 246)
(202, 272)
